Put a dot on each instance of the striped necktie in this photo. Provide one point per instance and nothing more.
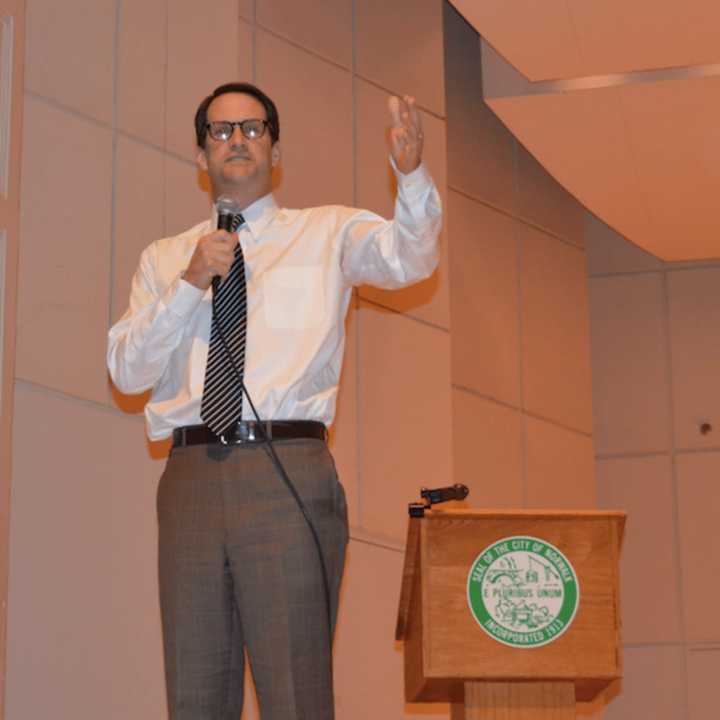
(221, 405)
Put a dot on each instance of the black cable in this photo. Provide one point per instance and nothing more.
(267, 441)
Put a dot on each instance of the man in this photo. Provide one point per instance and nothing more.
(238, 564)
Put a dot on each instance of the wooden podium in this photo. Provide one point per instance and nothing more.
(511, 669)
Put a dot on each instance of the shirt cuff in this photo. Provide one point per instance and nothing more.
(184, 298)
(415, 183)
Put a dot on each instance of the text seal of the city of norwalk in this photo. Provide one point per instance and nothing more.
(523, 591)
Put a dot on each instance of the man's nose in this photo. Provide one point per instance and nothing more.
(237, 137)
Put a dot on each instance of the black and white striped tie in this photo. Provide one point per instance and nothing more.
(221, 405)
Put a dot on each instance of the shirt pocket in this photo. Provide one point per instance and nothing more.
(293, 297)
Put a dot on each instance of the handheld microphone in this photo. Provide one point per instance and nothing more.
(226, 209)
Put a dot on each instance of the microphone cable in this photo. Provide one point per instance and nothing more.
(268, 444)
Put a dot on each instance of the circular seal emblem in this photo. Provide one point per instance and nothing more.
(523, 591)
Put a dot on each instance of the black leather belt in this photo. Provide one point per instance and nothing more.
(248, 431)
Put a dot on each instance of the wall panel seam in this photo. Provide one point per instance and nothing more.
(166, 64)
(680, 587)
(484, 396)
(304, 48)
(551, 421)
(633, 455)
(67, 109)
(360, 535)
(519, 218)
(33, 386)
(379, 86)
(421, 321)
(114, 159)
(355, 300)
(630, 274)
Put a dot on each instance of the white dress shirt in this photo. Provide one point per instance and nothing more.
(300, 267)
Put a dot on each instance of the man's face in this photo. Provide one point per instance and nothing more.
(239, 164)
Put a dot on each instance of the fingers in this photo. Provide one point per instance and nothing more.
(213, 255)
(406, 130)
(415, 119)
(394, 108)
(404, 113)
(220, 252)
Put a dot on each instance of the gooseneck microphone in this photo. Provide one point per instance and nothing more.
(439, 495)
(226, 208)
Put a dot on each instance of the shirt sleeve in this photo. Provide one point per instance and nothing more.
(398, 252)
(141, 342)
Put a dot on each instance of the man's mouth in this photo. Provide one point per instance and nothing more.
(234, 158)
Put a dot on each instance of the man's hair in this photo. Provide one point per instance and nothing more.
(271, 112)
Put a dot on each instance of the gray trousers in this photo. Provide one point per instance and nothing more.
(238, 569)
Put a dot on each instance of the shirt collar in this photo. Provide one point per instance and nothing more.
(258, 215)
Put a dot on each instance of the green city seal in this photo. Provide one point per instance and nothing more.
(523, 591)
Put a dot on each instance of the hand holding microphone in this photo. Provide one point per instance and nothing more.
(215, 252)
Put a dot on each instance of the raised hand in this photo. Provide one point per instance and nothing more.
(406, 136)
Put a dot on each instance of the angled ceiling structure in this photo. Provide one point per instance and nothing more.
(621, 104)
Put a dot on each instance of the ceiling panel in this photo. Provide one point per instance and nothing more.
(617, 36)
(620, 103)
(675, 135)
(537, 38)
(559, 39)
(581, 140)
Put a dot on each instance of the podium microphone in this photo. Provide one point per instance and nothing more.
(454, 492)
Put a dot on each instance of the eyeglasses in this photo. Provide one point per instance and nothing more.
(222, 130)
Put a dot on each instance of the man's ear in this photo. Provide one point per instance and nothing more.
(201, 159)
(275, 154)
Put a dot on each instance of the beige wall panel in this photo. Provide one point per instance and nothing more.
(484, 299)
(399, 45)
(69, 51)
(63, 296)
(487, 451)
(139, 213)
(246, 53)
(405, 416)
(703, 670)
(368, 663)
(323, 26)
(629, 359)
(642, 487)
(481, 153)
(653, 685)
(344, 434)
(375, 183)
(698, 511)
(84, 621)
(544, 202)
(608, 252)
(187, 198)
(247, 9)
(560, 468)
(142, 56)
(314, 99)
(694, 298)
(197, 62)
(555, 341)
(135, 650)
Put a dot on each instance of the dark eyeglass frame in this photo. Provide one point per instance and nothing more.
(244, 125)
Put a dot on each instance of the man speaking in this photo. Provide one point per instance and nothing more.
(252, 518)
